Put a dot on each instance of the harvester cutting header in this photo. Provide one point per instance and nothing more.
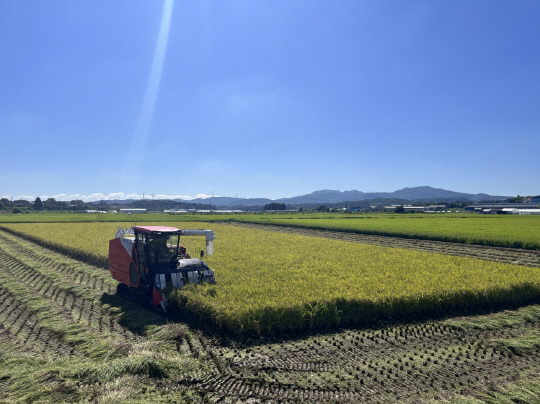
(147, 259)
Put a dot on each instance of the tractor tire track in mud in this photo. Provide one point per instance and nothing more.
(82, 274)
(75, 306)
(499, 254)
(20, 327)
(62, 301)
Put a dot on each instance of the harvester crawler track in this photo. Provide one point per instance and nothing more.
(72, 299)
(126, 292)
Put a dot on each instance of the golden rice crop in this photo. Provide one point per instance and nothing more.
(518, 231)
(274, 282)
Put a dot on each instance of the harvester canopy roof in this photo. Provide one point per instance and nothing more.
(156, 229)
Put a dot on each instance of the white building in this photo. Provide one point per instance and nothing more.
(132, 210)
(529, 211)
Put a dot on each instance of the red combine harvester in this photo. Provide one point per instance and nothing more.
(147, 259)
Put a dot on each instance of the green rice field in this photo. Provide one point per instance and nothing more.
(518, 231)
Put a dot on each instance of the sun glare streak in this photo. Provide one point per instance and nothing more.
(142, 129)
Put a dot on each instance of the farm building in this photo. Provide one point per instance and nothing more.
(499, 208)
(409, 208)
(219, 211)
(528, 211)
(434, 208)
(132, 210)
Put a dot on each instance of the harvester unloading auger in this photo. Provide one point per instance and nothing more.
(147, 259)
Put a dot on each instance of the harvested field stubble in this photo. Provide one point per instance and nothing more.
(60, 341)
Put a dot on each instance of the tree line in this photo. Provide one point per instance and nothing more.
(22, 205)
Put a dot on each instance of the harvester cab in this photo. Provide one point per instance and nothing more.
(148, 259)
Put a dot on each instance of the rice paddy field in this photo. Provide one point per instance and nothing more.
(292, 317)
(518, 231)
(271, 282)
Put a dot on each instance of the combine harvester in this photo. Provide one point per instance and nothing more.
(147, 259)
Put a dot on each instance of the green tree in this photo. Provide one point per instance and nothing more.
(38, 205)
(53, 204)
(77, 204)
(5, 203)
(516, 199)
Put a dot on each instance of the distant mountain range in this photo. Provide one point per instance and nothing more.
(415, 194)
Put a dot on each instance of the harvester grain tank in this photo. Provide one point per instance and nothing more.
(148, 259)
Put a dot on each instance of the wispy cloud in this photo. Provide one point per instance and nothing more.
(13, 197)
(107, 197)
(252, 95)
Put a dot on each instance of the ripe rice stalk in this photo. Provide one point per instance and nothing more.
(270, 282)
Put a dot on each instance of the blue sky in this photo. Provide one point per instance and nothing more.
(267, 98)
